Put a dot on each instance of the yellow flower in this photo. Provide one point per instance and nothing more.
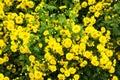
(75, 48)
(1, 76)
(19, 20)
(31, 75)
(97, 14)
(65, 33)
(102, 39)
(100, 47)
(107, 18)
(103, 29)
(63, 7)
(6, 58)
(13, 70)
(115, 78)
(8, 2)
(38, 75)
(6, 78)
(40, 45)
(90, 44)
(99, 6)
(2, 14)
(69, 56)
(62, 70)
(86, 20)
(67, 73)
(30, 4)
(91, 2)
(82, 46)
(87, 54)
(9, 67)
(93, 20)
(14, 48)
(111, 70)
(52, 68)
(48, 56)
(72, 70)
(42, 66)
(67, 43)
(52, 61)
(118, 55)
(24, 36)
(95, 62)
(24, 49)
(104, 59)
(83, 64)
(114, 62)
(1, 60)
(89, 29)
(84, 4)
(58, 39)
(92, 9)
(109, 53)
(10, 25)
(118, 41)
(61, 76)
(76, 76)
(0, 51)
(32, 58)
(76, 28)
(49, 79)
(46, 32)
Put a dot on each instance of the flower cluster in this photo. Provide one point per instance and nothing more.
(59, 40)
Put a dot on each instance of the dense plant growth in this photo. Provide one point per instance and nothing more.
(59, 40)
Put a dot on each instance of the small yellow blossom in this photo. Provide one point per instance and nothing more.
(76, 28)
(37, 74)
(84, 4)
(40, 45)
(76, 76)
(69, 56)
(19, 20)
(30, 4)
(46, 32)
(6, 78)
(115, 78)
(32, 58)
(61, 76)
(1, 76)
(63, 7)
(67, 42)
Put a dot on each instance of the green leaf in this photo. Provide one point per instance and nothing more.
(40, 11)
(21, 57)
(24, 69)
(116, 31)
(7, 48)
(50, 7)
(73, 17)
(62, 19)
(67, 12)
(43, 26)
(36, 49)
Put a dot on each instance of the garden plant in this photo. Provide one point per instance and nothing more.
(59, 40)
